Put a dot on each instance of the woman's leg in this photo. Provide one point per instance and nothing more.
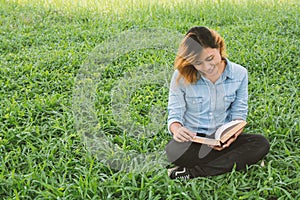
(204, 161)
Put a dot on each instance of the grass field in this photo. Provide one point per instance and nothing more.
(43, 48)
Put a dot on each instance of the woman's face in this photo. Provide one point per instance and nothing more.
(209, 62)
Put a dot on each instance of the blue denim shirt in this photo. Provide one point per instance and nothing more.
(203, 107)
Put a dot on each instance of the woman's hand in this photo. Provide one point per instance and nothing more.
(228, 143)
(182, 134)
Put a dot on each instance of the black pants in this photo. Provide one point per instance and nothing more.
(202, 160)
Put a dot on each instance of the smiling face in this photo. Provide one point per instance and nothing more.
(209, 62)
(202, 50)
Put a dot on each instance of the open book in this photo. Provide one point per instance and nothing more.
(223, 133)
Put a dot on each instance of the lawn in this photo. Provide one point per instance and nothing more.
(84, 89)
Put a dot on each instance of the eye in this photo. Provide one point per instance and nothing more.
(210, 58)
(198, 63)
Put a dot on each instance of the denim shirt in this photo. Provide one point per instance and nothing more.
(204, 106)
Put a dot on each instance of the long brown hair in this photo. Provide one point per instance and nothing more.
(191, 46)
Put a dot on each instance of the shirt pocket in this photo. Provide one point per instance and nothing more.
(229, 100)
(194, 103)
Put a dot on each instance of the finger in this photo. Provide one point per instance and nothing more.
(180, 138)
(218, 148)
(188, 134)
(229, 142)
(185, 136)
(191, 134)
(177, 139)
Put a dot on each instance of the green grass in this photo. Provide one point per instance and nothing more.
(42, 49)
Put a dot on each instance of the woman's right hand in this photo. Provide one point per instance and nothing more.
(182, 134)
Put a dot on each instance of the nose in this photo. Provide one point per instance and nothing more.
(208, 65)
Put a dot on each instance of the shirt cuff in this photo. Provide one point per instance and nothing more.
(172, 121)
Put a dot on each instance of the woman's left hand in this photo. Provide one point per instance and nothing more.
(228, 143)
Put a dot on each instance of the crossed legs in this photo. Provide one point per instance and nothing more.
(202, 160)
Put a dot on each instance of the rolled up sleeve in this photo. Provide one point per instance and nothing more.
(239, 108)
(176, 103)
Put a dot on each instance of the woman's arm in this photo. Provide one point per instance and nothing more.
(239, 108)
(176, 110)
(176, 102)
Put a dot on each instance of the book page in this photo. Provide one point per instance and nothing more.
(208, 141)
(221, 129)
(228, 133)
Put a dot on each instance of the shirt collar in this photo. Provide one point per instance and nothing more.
(228, 69)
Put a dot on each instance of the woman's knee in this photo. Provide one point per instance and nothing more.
(175, 150)
(265, 145)
(255, 143)
(260, 144)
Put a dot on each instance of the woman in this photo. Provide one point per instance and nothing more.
(207, 90)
